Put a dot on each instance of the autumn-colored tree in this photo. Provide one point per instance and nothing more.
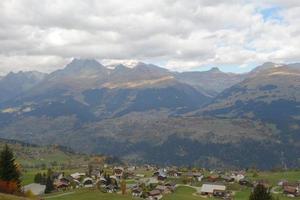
(123, 186)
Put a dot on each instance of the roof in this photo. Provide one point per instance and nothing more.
(35, 188)
(209, 188)
(87, 179)
(290, 189)
(154, 193)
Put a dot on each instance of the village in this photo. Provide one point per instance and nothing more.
(154, 183)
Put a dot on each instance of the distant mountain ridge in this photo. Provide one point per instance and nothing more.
(153, 114)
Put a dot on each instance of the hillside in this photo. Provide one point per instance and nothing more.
(272, 96)
(32, 156)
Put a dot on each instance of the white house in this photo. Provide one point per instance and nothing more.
(208, 189)
(35, 188)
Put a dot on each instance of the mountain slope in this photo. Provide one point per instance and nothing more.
(271, 96)
(90, 91)
(211, 82)
(15, 84)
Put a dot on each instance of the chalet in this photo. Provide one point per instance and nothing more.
(118, 172)
(128, 175)
(172, 186)
(219, 193)
(228, 179)
(291, 190)
(131, 169)
(102, 181)
(140, 175)
(88, 182)
(263, 183)
(164, 189)
(237, 176)
(210, 188)
(57, 175)
(35, 188)
(282, 183)
(61, 185)
(213, 178)
(136, 192)
(174, 173)
(77, 175)
(96, 174)
(155, 195)
(111, 188)
(160, 174)
(245, 182)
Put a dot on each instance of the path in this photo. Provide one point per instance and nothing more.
(273, 190)
(59, 195)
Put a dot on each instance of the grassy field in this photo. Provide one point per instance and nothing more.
(10, 197)
(183, 193)
(85, 194)
(274, 177)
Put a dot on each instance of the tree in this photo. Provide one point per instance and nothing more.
(9, 169)
(260, 192)
(123, 186)
(49, 185)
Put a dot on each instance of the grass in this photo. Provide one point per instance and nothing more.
(85, 194)
(274, 177)
(11, 197)
(183, 193)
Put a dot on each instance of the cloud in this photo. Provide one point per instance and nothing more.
(184, 34)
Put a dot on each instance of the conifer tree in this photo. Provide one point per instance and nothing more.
(9, 170)
(49, 185)
(261, 193)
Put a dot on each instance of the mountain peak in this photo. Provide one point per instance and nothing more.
(264, 66)
(78, 64)
(214, 69)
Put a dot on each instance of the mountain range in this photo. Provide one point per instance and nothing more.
(146, 113)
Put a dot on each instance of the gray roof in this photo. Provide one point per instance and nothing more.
(35, 188)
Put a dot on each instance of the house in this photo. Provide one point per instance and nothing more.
(219, 193)
(237, 176)
(164, 189)
(291, 190)
(136, 192)
(282, 183)
(210, 188)
(213, 178)
(198, 176)
(77, 175)
(172, 186)
(57, 175)
(263, 183)
(111, 188)
(131, 169)
(155, 195)
(160, 174)
(140, 175)
(118, 172)
(245, 182)
(88, 182)
(61, 185)
(96, 174)
(174, 173)
(35, 188)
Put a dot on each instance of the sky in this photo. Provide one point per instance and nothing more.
(181, 35)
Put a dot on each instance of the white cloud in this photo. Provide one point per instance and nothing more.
(184, 34)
